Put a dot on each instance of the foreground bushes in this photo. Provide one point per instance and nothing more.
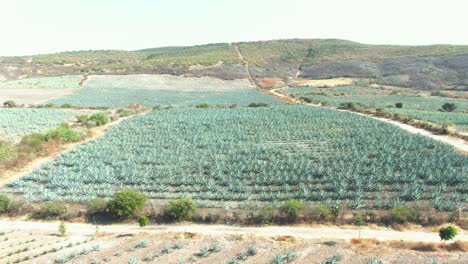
(126, 202)
(180, 210)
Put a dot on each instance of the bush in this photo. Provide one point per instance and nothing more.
(447, 233)
(66, 106)
(82, 118)
(399, 105)
(402, 117)
(323, 212)
(143, 220)
(33, 142)
(99, 118)
(264, 215)
(7, 151)
(347, 105)
(258, 105)
(448, 107)
(5, 203)
(180, 210)
(380, 112)
(96, 206)
(402, 214)
(9, 104)
(204, 105)
(124, 112)
(292, 209)
(63, 133)
(126, 202)
(53, 211)
(358, 220)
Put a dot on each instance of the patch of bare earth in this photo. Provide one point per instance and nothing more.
(30, 96)
(322, 83)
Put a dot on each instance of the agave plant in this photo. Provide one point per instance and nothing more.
(133, 260)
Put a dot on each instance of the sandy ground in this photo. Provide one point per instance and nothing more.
(457, 143)
(320, 83)
(32, 95)
(119, 243)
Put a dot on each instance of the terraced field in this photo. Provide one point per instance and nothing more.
(257, 155)
(18, 122)
(164, 90)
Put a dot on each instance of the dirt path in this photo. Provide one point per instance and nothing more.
(457, 143)
(252, 80)
(96, 132)
(305, 232)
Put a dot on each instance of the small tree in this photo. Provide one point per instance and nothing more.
(359, 221)
(62, 229)
(143, 220)
(180, 210)
(126, 202)
(447, 233)
(99, 118)
(448, 107)
(5, 203)
(399, 105)
(292, 209)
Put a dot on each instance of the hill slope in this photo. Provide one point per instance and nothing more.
(428, 67)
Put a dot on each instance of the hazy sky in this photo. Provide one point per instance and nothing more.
(44, 26)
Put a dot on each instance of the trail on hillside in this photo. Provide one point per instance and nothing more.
(305, 232)
(35, 164)
(458, 144)
(252, 80)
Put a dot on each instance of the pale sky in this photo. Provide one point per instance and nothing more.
(44, 26)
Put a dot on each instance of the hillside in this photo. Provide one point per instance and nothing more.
(426, 67)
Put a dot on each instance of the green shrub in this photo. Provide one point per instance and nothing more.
(33, 142)
(448, 107)
(203, 105)
(264, 215)
(124, 112)
(66, 106)
(96, 206)
(180, 210)
(447, 233)
(99, 118)
(143, 220)
(324, 212)
(62, 229)
(82, 118)
(5, 203)
(359, 220)
(399, 105)
(347, 105)
(53, 211)
(7, 151)
(126, 202)
(258, 105)
(401, 214)
(292, 209)
(63, 133)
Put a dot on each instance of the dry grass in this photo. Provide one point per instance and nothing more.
(322, 83)
(457, 246)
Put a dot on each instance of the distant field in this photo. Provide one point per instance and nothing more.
(460, 120)
(18, 122)
(257, 155)
(164, 90)
(432, 103)
(70, 81)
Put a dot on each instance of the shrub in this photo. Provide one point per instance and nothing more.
(99, 118)
(5, 203)
(53, 211)
(203, 105)
(292, 209)
(9, 103)
(124, 112)
(380, 112)
(143, 220)
(82, 118)
(399, 105)
(347, 105)
(126, 202)
(264, 215)
(96, 206)
(447, 233)
(7, 151)
(66, 106)
(63, 133)
(33, 142)
(358, 220)
(402, 214)
(323, 212)
(448, 107)
(402, 117)
(258, 105)
(180, 210)
(62, 229)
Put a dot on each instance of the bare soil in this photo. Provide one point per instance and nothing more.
(30, 96)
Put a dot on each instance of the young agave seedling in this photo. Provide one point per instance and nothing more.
(215, 247)
(142, 243)
(251, 250)
(133, 260)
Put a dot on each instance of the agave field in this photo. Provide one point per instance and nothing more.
(68, 81)
(257, 155)
(338, 91)
(18, 122)
(460, 120)
(164, 90)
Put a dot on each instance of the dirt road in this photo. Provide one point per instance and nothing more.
(305, 232)
(458, 144)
